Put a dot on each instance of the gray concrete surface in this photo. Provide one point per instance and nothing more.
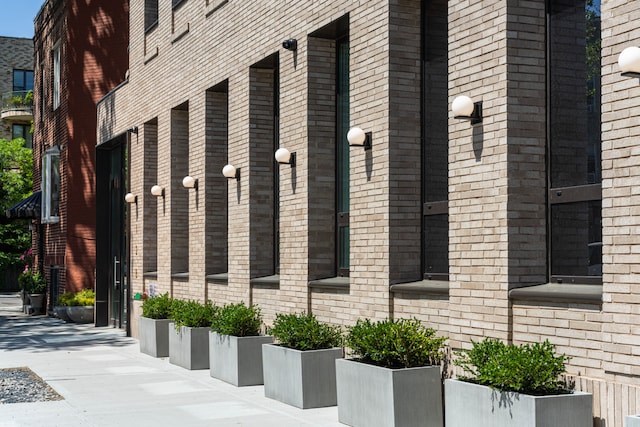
(106, 381)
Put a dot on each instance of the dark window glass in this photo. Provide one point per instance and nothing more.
(342, 154)
(150, 14)
(574, 60)
(22, 80)
(22, 131)
(435, 139)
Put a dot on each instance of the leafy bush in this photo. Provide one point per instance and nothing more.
(238, 320)
(532, 369)
(85, 297)
(193, 314)
(401, 343)
(157, 307)
(66, 298)
(304, 332)
(32, 282)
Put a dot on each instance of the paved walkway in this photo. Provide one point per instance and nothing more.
(106, 381)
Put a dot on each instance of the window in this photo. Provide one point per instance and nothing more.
(342, 155)
(574, 141)
(51, 186)
(24, 132)
(22, 80)
(150, 14)
(435, 141)
(176, 3)
(56, 76)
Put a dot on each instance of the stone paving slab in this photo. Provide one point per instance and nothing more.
(105, 381)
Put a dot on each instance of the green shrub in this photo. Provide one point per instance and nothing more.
(66, 298)
(32, 282)
(304, 332)
(401, 343)
(85, 297)
(238, 320)
(532, 369)
(157, 307)
(193, 314)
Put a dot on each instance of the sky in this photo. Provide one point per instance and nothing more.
(18, 16)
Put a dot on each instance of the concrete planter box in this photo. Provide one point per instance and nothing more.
(154, 336)
(371, 396)
(189, 347)
(304, 379)
(81, 313)
(237, 360)
(468, 404)
(632, 421)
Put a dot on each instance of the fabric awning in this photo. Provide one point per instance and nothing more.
(26, 208)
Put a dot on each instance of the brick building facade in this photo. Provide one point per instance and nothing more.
(16, 80)
(76, 64)
(521, 227)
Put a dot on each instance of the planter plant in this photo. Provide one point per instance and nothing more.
(81, 306)
(189, 333)
(235, 345)
(34, 285)
(154, 326)
(514, 385)
(300, 370)
(394, 377)
(60, 308)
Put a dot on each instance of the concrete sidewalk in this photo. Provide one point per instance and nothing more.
(106, 381)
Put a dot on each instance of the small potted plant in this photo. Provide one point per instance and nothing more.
(301, 370)
(235, 345)
(189, 333)
(394, 377)
(33, 283)
(81, 306)
(514, 385)
(153, 326)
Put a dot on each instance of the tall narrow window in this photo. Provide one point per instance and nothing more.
(574, 118)
(435, 228)
(22, 131)
(51, 186)
(150, 14)
(56, 76)
(342, 155)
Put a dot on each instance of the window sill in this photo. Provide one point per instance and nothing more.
(556, 292)
(180, 34)
(339, 283)
(151, 55)
(214, 5)
(181, 276)
(423, 287)
(220, 278)
(150, 275)
(266, 281)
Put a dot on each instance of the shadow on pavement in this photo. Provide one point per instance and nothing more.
(41, 334)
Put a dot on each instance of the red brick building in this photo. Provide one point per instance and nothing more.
(80, 55)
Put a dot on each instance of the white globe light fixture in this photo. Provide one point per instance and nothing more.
(359, 138)
(464, 108)
(190, 182)
(629, 61)
(130, 198)
(284, 157)
(230, 172)
(157, 191)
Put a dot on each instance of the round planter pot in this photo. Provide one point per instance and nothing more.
(37, 303)
(60, 311)
(81, 314)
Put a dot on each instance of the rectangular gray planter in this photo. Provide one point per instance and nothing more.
(189, 347)
(154, 336)
(371, 396)
(237, 360)
(468, 404)
(632, 421)
(304, 379)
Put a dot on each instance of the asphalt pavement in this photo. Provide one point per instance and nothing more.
(104, 380)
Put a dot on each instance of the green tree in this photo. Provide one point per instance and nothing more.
(16, 178)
